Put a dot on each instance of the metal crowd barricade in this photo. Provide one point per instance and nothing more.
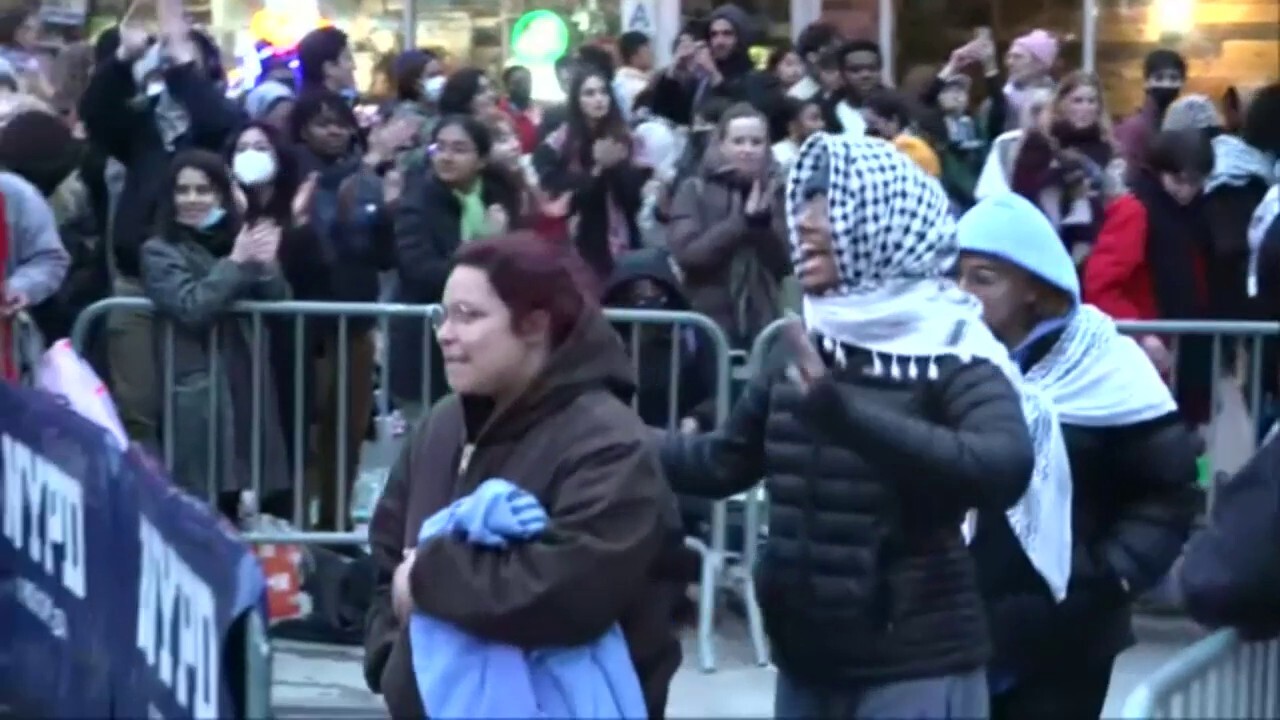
(1236, 362)
(719, 569)
(1221, 677)
(297, 314)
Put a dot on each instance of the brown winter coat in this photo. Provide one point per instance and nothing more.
(571, 442)
(733, 269)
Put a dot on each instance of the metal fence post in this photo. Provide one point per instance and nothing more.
(257, 668)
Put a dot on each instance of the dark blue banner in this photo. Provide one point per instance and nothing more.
(123, 590)
(57, 579)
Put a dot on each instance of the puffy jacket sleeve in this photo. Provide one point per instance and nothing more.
(768, 235)
(1118, 255)
(1156, 503)
(729, 460)
(571, 584)
(1230, 572)
(422, 250)
(699, 243)
(976, 451)
(104, 108)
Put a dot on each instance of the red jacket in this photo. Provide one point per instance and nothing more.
(1117, 278)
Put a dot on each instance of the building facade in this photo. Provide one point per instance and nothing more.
(1226, 42)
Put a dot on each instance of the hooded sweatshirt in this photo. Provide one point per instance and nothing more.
(572, 443)
(35, 262)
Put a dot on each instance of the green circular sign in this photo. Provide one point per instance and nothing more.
(539, 36)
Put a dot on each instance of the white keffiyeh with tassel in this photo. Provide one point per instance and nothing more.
(895, 240)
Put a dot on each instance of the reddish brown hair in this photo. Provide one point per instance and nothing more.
(532, 274)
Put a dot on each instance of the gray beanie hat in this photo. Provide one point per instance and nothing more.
(1192, 112)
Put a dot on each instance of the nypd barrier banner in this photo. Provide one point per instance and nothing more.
(117, 593)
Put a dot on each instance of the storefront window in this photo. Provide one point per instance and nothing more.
(1225, 43)
(926, 31)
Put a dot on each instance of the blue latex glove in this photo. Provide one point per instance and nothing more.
(496, 513)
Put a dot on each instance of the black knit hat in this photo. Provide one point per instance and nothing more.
(39, 147)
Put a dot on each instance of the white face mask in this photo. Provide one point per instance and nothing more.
(432, 87)
(254, 167)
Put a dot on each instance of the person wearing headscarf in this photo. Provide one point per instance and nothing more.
(1130, 482)
(878, 426)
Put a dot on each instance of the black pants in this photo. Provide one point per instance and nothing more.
(1067, 692)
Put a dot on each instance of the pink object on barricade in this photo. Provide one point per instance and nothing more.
(62, 372)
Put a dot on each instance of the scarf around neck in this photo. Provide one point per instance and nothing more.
(894, 240)
(1097, 377)
(472, 221)
(1237, 163)
(1263, 218)
(1092, 377)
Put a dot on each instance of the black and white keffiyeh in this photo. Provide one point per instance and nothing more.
(889, 223)
(1097, 377)
(895, 241)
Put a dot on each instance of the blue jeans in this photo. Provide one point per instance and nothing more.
(947, 697)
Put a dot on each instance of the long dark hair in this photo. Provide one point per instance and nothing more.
(579, 134)
(283, 187)
(215, 169)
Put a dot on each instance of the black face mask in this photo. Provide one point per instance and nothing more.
(1163, 97)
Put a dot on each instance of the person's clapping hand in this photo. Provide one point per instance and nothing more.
(1155, 349)
(960, 58)
(759, 202)
(302, 200)
(397, 134)
(608, 152)
(257, 243)
(496, 220)
(134, 41)
(392, 187)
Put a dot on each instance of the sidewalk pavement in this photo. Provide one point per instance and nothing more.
(323, 681)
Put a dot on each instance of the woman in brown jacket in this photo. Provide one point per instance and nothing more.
(729, 229)
(541, 382)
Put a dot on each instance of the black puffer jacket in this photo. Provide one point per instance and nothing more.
(1133, 499)
(866, 577)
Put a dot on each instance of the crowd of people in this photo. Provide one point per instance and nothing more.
(971, 473)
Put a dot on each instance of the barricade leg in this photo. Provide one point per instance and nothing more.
(257, 668)
(746, 572)
(341, 419)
